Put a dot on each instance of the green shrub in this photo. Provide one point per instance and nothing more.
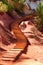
(3, 7)
(14, 5)
(39, 17)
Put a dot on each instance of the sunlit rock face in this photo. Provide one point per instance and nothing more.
(5, 24)
(31, 32)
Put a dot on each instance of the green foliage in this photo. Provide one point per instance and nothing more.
(39, 17)
(3, 7)
(39, 10)
(10, 8)
(14, 5)
(19, 4)
(7, 2)
(20, 1)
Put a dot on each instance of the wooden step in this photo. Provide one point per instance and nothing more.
(10, 55)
